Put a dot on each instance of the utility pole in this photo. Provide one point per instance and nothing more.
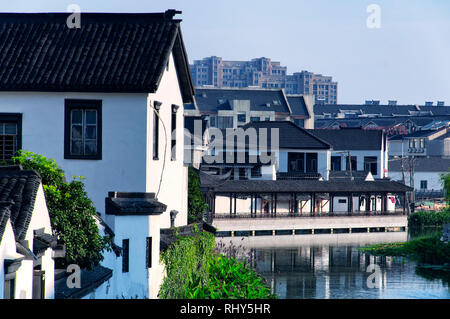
(411, 177)
(406, 200)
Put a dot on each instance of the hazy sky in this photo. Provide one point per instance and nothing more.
(406, 59)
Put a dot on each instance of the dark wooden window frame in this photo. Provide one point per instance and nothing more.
(148, 250)
(125, 255)
(173, 122)
(69, 105)
(157, 106)
(14, 118)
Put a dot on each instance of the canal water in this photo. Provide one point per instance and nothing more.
(331, 267)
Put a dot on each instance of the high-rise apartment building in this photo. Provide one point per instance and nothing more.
(263, 73)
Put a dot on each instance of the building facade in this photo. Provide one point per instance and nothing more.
(102, 118)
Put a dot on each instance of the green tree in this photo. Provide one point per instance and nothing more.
(196, 201)
(446, 183)
(71, 211)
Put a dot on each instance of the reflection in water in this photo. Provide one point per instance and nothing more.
(329, 271)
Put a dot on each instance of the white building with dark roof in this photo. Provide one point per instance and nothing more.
(26, 241)
(101, 100)
(231, 108)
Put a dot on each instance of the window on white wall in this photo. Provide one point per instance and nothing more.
(10, 135)
(423, 184)
(83, 129)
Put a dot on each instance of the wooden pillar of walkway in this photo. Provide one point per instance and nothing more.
(231, 205)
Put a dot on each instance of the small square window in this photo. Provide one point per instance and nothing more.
(10, 135)
(83, 129)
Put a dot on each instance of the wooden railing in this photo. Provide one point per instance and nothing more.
(210, 216)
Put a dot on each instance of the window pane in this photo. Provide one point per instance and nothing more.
(91, 117)
(76, 148)
(91, 132)
(77, 117)
(77, 131)
(11, 128)
(90, 147)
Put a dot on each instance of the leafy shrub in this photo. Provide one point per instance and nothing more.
(196, 201)
(422, 219)
(71, 212)
(385, 249)
(425, 250)
(428, 250)
(230, 279)
(195, 271)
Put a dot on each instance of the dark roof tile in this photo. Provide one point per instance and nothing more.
(111, 52)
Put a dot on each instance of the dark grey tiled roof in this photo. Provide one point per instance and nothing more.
(20, 187)
(290, 135)
(306, 186)
(111, 52)
(422, 164)
(298, 105)
(90, 279)
(424, 133)
(133, 204)
(383, 110)
(210, 100)
(5, 214)
(379, 121)
(351, 139)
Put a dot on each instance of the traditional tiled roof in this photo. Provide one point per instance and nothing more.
(298, 105)
(90, 280)
(290, 135)
(378, 121)
(210, 100)
(383, 110)
(422, 164)
(5, 214)
(307, 186)
(19, 187)
(133, 204)
(351, 139)
(111, 52)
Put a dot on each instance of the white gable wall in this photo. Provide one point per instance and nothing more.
(7, 251)
(24, 275)
(173, 190)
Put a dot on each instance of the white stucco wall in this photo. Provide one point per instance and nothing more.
(139, 282)
(173, 191)
(7, 251)
(24, 275)
(433, 179)
(122, 167)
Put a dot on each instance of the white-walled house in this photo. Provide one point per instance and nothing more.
(293, 152)
(26, 241)
(132, 270)
(368, 150)
(427, 172)
(89, 99)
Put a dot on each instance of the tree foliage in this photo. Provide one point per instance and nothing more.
(70, 209)
(196, 201)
